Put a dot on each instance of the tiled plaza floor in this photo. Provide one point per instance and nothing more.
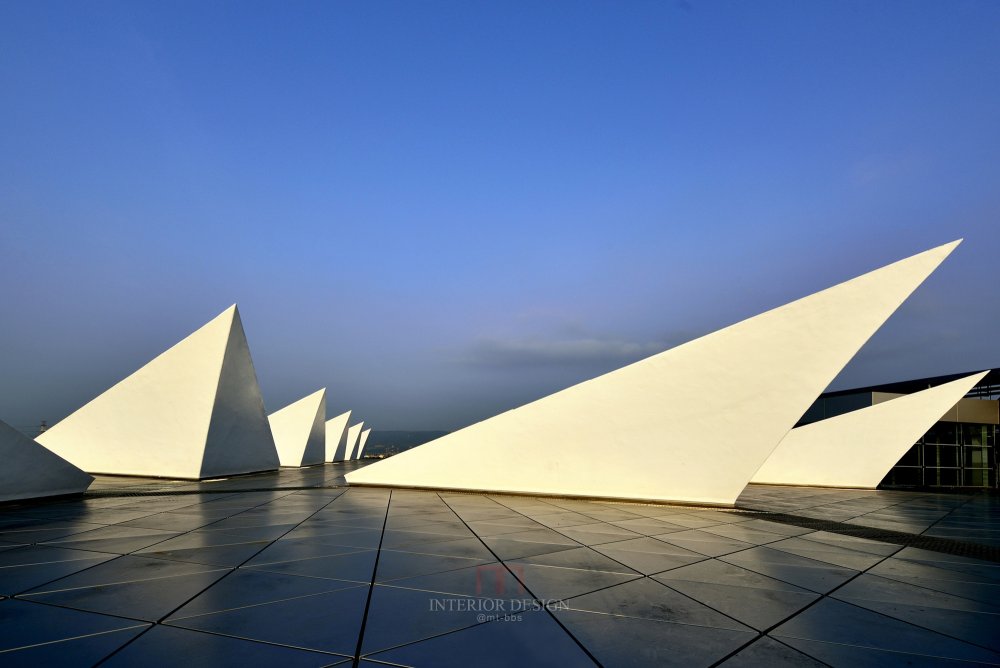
(295, 569)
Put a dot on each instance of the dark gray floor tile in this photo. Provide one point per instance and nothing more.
(244, 587)
(299, 548)
(216, 555)
(553, 582)
(124, 569)
(83, 652)
(905, 570)
(649, 599)
(398, 616)
(648, 555)
(18, 579)
(167, 647)
(39, 532)
(769, 652)
(471, 548)
(115, 539)
(851, 542)
(713, 571)
(745, 533)
(367, 539)
(629, 641)
(649, 526)
(357, 566)
(596, 534)
(484, 528)
(393, 565)
(582, 558)
(838, 556)
(491, 580)
(563, 519)
(507, 548)
(868, 587)
(851, 656)
(43, 554)
(272, 532)
(834, 621)
(534, 640)
(708, 544)
(542, 535)
(24, 623)
(977, 628)
(755, 607)
(807, 573)
(169, 522)
(147, 600)
(328, 622)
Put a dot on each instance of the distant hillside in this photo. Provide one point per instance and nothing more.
(394, 442)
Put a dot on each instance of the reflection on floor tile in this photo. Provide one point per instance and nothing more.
(328, 622)
(530, 639)
(769, 652)
(25, 624)
(288, 576)
(833, 621)
(167, 647)
(629, 641)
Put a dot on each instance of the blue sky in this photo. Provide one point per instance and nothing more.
(441, 210)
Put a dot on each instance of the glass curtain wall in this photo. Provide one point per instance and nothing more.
(949, 455)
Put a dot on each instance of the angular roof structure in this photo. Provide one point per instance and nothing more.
(195, 411)
(857, 449)
(336, 437)
(672, 434)
(300, 430)
(362, 440)
(30, 471)
(354, 439)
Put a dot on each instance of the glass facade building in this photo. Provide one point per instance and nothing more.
(958, 451)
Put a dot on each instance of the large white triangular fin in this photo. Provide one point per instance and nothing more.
(31, 471)
(857, 449)
(692, 424)
(239, 438)
(336, 437)
(353, 438)
(300, 430)
(362, 440)
(157, 421)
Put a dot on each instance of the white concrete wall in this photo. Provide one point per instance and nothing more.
(857, 449)
(692, 424)
(300, 430)
(192, 412)
(29, 471)
(336, 437)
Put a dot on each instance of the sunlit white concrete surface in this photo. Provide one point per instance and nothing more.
(300, 430)
(195, 411)
(857, 449)
(692, 424)
(30, 471)
(336, 437)
(362, 440)
(354, 439)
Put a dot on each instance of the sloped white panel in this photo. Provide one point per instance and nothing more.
(336, 437)
(692, 424)
(857, 449)
(362, 440)
(30, 471)
(353, 439)
(195, 411)
(300, 430)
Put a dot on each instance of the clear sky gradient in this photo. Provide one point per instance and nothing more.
(442, 210)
